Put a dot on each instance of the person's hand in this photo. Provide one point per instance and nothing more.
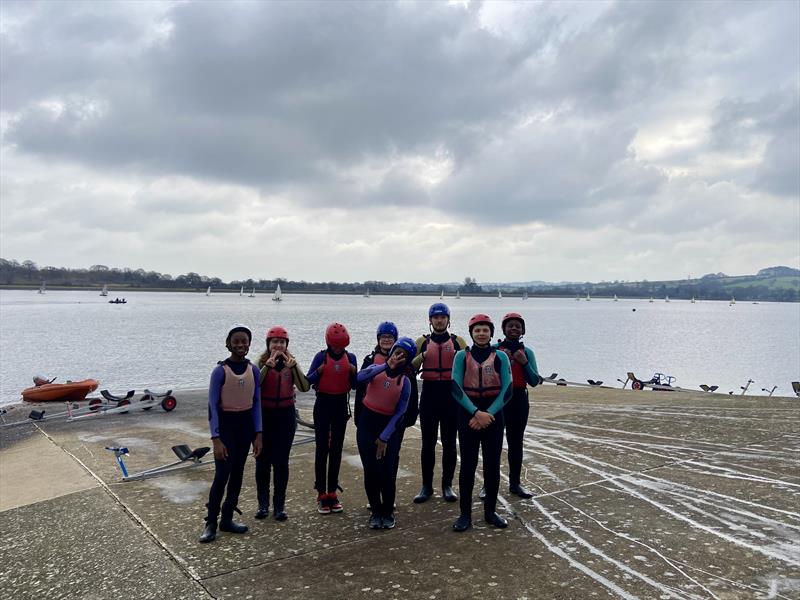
(483, 418)
(273, 358)
(396, 360)
(474, 424)
(290, 360)
(381, 451)
(257, 445)
(521, 357)
(220, 451)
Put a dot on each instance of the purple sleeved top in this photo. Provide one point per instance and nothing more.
(365, 376)
(319, 358)
(214, 397)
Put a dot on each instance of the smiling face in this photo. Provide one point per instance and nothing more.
(277, 345)
(239, 345)
(481, 334)
(385, 342)
(440, 323)
(513, 329)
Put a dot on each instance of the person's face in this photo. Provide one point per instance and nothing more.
(239, 344)
(481, 334)
(386, 341)
(513, 329)
(439, 322)
(277, 345)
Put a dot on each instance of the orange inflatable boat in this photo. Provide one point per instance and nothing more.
(72, 391)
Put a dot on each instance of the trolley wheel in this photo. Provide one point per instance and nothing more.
(125, 402)
(146, 398)
(94, 404)
(637, 385)
(169, 403)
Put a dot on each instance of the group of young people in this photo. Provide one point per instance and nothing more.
(470, 392)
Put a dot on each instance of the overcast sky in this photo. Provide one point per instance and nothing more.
(402, 141)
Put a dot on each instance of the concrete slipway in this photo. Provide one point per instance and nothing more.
(638, 495)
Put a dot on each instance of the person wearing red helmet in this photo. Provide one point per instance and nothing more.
(481, 380)
(333, 375)
(234, 418)
(280, 375)
(437, 409)
(524, 373)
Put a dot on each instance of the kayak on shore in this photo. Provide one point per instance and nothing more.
(72, 391)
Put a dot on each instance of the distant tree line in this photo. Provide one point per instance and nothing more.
(771, 284)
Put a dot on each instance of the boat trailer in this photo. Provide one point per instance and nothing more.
(187, 459)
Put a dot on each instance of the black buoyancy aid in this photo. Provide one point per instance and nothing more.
(383, 393)
(438, 363)
(481, 380)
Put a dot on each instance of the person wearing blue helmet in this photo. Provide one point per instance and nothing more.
(438, 409)
(388, 389)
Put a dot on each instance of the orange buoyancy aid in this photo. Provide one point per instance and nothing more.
(277, 389)
(438, 363)
(481, 380)
(335, 378)
(237, 392)
(517, 370)
(383, 393)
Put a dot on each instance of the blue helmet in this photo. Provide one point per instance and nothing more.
(406, 344)
(438, 308)
(387, 327)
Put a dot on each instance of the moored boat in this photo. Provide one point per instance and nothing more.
(72, 391)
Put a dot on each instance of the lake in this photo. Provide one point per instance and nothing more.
(172, 340)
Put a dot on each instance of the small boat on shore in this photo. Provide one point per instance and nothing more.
(71, 391)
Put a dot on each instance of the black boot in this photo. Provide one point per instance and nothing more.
(520, 491)
(280, 513)
(210, 532)
(493, 518)
(375, 521)
(463, 523)
(424, 494)
(262, 512)
(226, 523)
(448, 493)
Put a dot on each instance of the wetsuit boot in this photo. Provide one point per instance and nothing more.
(448, 493)
(263, 505)
(520, 491)
(279, 514)
(226, 522)
(492, 518)
(424, 494)
(463, 523)
(210, 532)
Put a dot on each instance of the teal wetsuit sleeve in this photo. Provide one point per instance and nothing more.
(531, 370)
(505, 385)
(459, 363)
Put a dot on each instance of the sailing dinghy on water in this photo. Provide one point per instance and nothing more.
(366, 294)
(253, 293)
(458, 294)
(277, 296)
(208, 291)
(42, 288)
(104, 291)
(241, 291)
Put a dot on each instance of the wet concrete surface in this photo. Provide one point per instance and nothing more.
(637, 495)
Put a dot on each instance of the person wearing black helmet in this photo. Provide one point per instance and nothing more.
(379, 425)
(437, 409)
(234, 418)
(481, 380)
(524, 373)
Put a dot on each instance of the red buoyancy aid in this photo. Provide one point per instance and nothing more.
(277, 389)
(517, 370)
(378, 358)
(335, 378)
(237, 392)
(383, 393)
(438, 363)
(481, 380)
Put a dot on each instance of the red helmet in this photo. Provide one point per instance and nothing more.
(510, 316)
(336, 335)
(278, 332)
(481, 318)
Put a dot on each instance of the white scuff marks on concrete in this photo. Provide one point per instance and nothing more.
(179, 490)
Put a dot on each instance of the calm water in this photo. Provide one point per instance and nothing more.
(161, 340)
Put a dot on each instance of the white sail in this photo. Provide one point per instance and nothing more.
(104, 291)
(441, 295)
(666, 299)
(525, 295)
(366, 294)
(253, 293)
(588, 297)
(733, 301)
(458, 294)
(277, 296)
(241, 291)
(615, 298)
(500, 294)
(651, 299)
(42, 288)
(208, 291)
(693, 300)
